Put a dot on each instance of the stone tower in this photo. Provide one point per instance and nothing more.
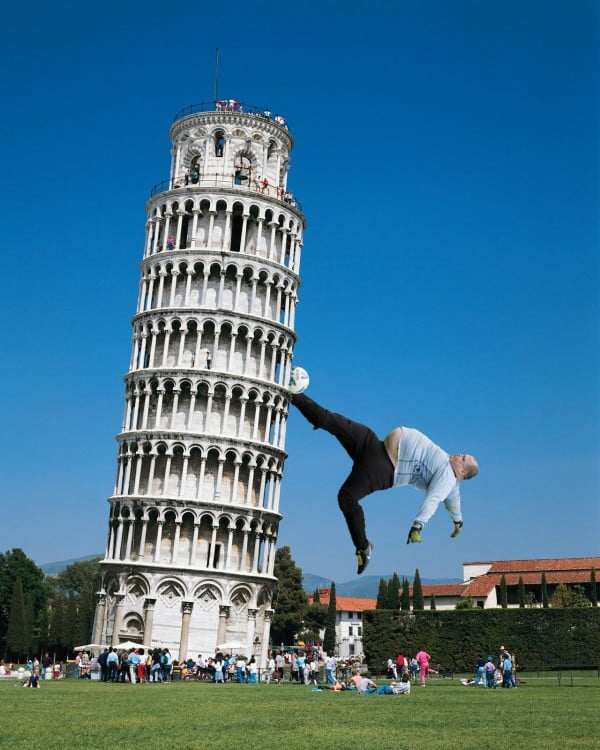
(195, 510)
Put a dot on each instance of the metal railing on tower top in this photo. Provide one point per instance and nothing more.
(234, 107)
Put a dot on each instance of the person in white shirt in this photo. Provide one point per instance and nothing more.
(405, 457)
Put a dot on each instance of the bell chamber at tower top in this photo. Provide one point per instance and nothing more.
(228, 144)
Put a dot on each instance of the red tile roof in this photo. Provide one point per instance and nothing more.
(566, 570)
(544, 565)
(345, 603)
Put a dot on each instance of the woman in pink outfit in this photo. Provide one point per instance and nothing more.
(423, 658)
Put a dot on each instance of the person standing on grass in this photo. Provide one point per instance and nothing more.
(423, 659)
(507, 675)
(133, 659)
(479, 674)
(279, 666)
(330, 667)
(490, 670)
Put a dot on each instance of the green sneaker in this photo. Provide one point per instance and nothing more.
(363, 556)
(414, 535)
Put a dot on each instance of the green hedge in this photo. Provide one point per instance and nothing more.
(455, 639)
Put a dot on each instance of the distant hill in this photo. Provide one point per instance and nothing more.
(365, 587)
(54, 568)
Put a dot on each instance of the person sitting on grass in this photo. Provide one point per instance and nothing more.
(34, 679)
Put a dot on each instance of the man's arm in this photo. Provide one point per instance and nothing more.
(443, 488)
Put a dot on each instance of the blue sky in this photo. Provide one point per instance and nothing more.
(446, 160)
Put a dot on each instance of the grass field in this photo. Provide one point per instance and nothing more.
(75, 714)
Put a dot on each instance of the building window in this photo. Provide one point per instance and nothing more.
(359, 632)
(350, 630)
(217, 555)
(219, 142)
(359, 615)
(350, 615)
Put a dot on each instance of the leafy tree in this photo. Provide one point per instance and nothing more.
(418, 600)
(503, 593)
(81, 581)
(405, 596)
(593, 589)
(393, 592)
(382, 595)
(562, 597)
(315, 619)
(521, 593)
(13, 564)
(530, 600)
(545, 597)
(289, 601)
(432, 602)
(56, 625)
(29, 619)
(465, 603)
(17, 637)
(329, 639)
(579, 597)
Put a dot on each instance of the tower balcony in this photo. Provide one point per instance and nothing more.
(231, 106)
(245, 184)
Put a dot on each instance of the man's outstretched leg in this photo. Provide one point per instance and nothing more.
(372, 469)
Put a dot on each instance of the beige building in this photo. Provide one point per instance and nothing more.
(348, 625)
(481, 581)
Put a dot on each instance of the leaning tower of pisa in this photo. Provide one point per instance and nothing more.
(195, 510)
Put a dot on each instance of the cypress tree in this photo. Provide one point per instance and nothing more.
(545, 597)
(290, 600)
(56, 629)
(405, 596)
(521, 593)
(29, 623)
(503, 593)
(71, 632)
(393, 597)
(432, 602)
(382, 595)
(17, 639)
(593, 590)
(418, 600)
(316, 596)
(329, 638)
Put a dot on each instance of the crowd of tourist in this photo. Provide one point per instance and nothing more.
(139, 665)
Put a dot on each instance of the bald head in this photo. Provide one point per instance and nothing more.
(464, 466)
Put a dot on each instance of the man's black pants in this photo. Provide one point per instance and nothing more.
(372, 469)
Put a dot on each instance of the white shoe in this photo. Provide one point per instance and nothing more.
(299, 381)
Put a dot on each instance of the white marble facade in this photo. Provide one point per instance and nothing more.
(194, 514)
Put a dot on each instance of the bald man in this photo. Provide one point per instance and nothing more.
(405, 457)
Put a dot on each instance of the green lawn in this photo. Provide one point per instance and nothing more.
(76, 714)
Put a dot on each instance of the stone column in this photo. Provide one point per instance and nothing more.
(119, 601)
(99, 618)
(251, 629)
(268, 617)
(186, 609)
(148, 620)
(224, 610)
